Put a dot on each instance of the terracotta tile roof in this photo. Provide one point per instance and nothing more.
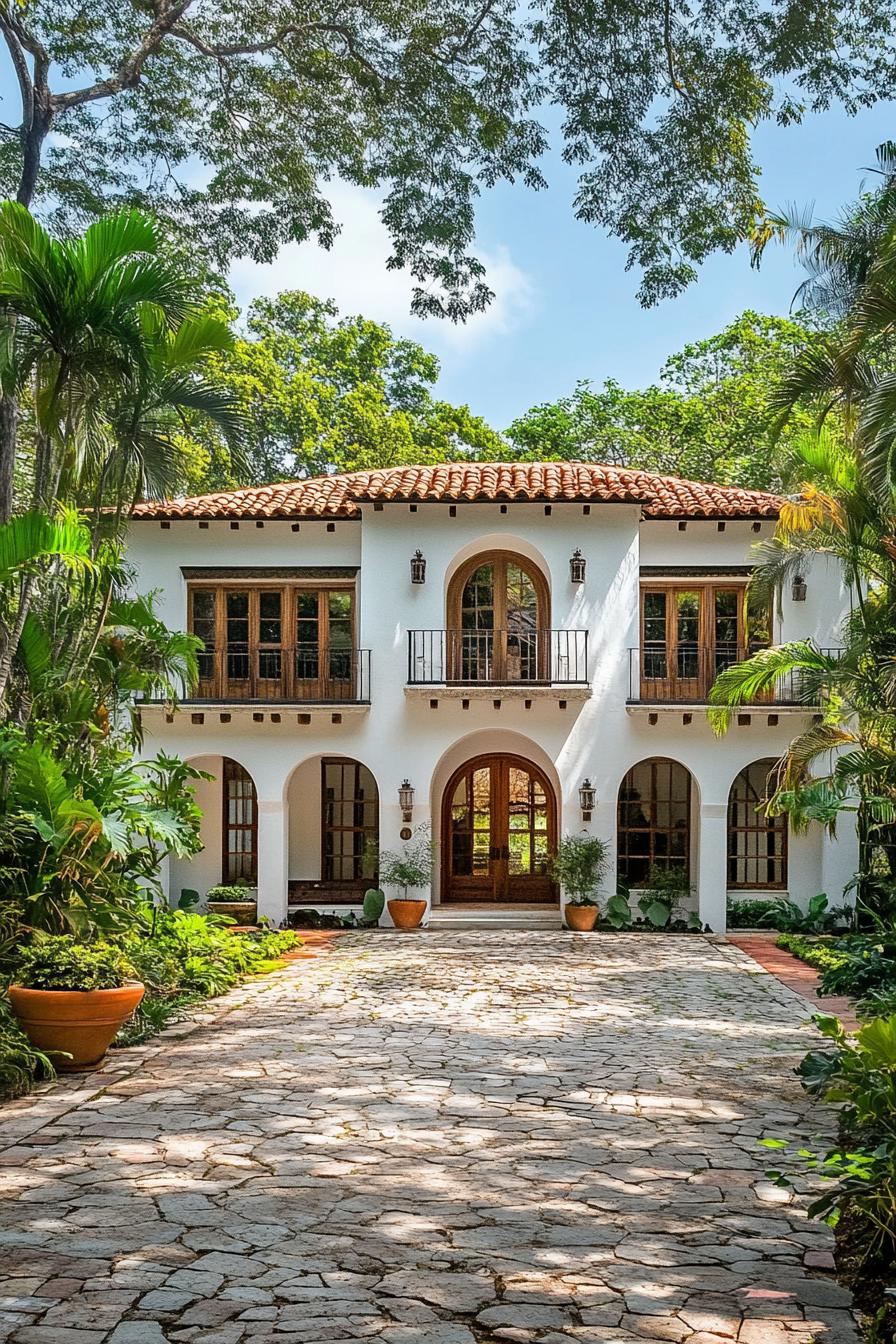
(540, 482)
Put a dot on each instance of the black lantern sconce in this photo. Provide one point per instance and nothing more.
(798, 589)
(587, 798)
(577, 567)
(406, 800)
(418, 567)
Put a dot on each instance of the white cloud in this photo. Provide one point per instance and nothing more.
(354, 274)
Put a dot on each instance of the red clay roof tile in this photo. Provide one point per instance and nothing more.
(540, 482)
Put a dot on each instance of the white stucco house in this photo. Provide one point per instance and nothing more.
(497, 638)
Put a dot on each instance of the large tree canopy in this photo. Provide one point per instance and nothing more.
(229, 116)
(711, 416)
(321, 393)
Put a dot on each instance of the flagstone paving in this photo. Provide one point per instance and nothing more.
(434, 1139)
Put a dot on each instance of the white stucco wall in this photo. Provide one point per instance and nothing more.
(400, 735)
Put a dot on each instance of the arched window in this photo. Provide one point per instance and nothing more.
(350, 824)
(498, 618)
(653, 820)
(757, 844)
(240, 829)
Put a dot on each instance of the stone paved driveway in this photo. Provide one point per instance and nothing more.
(433, 1139)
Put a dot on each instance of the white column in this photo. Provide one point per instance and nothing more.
(840, 860)
(272, 861)
(712, 876)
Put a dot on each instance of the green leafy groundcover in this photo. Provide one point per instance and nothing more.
(862, 966)
(181, 957)
(858, 1191)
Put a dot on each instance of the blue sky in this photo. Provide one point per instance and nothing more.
(565, 306)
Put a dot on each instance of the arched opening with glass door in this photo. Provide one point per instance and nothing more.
(499, 828)
(757, 844)
(497, 620)
(653, 822)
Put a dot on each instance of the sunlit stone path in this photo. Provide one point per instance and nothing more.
(434, 1139)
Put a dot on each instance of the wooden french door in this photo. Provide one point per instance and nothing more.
(692, 632)
(324, 640)
(499, 830)
(498, 618)
(272, 643)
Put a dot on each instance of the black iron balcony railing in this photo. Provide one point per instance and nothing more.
(497, 657)
(300, 674)
(685, 675)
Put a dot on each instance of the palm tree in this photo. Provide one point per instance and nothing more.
(104, 338)
(847, 760)
(75, 313)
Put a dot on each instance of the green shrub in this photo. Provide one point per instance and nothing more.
(822, 953)
(412, 866)
(750, 914)
(661, 903)
(20, 1063)
(618, 913)
(859, 965)
(59, 961)
(859, 1073)
(579, 865)
(237, 891)
(374, 905)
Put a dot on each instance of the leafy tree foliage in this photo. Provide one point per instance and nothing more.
(846, 514)
(321, 393)
(208, 111)
(710, 417)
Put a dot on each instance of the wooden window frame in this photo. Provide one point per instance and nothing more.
(763, 826)
(674, 686)
(361, 882)
(497, 884)
(500, 661)
(218, 687)
(652, 829)
(233, 770)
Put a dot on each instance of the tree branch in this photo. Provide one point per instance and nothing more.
(20, 65)
(670, 51)
(127, 76)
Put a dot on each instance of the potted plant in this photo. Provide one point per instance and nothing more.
(71, 998)
(579, 865)
(237, 901)
(412, 868)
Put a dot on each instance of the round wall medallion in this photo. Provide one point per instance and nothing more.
(405, 832)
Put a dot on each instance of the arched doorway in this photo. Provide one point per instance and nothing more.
(499, 826)
(653, 821)
(498, 609)
(757, 844)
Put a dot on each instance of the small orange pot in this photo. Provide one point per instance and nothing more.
(581, 918)
(406, 914)
(81, 1022)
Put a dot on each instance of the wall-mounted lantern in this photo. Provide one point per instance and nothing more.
(418, 567)
(587, 793)
(577, 567)
(798, 589)
(406, 799)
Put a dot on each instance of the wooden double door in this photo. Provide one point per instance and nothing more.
(499, 831)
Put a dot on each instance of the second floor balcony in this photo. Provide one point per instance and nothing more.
(685, 673)
(498, 657)
(288, 674)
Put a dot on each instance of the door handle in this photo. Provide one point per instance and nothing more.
(495, 852)
(505, 852)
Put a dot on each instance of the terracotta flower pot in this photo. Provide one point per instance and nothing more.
(244, 912)
(82, 1022)
(581, 918)
(406, 914)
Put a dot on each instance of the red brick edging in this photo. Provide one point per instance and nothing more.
(787, 968)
